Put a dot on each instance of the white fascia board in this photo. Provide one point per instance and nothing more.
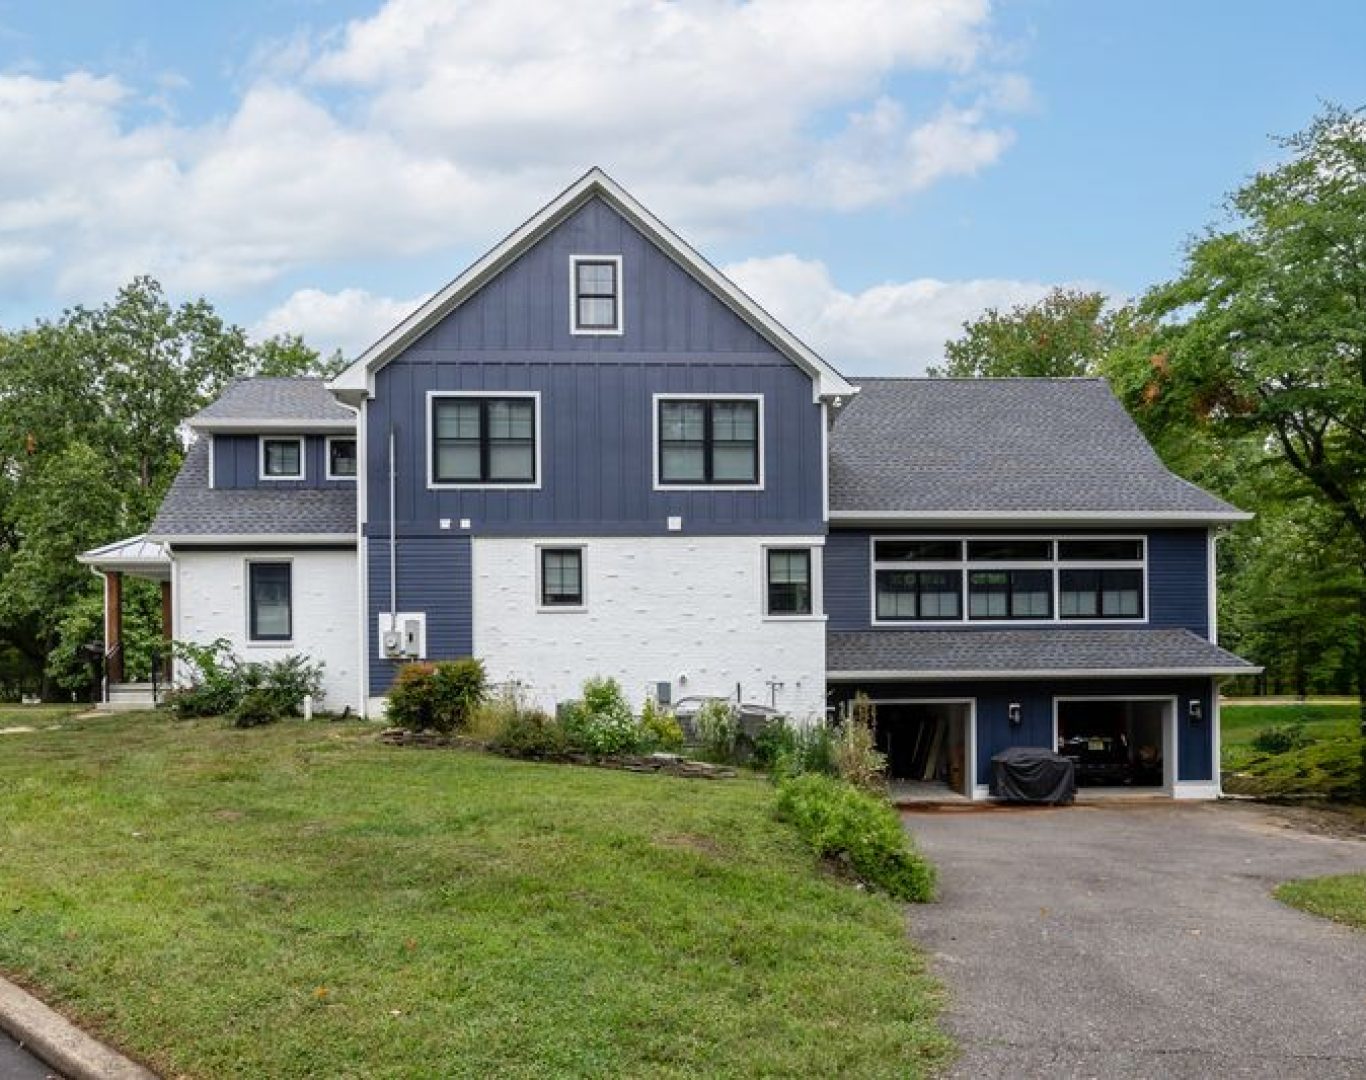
(237, 425)
(1052, 517)
(1049, 673)
(257, 539)
(356, 379)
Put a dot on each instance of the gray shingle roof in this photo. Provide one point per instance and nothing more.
(272, 399)
(192, 508)
(923, 653)
(1003, 446)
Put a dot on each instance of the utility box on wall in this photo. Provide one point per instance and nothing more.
(403, 636)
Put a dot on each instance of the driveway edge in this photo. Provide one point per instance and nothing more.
(60, 1043)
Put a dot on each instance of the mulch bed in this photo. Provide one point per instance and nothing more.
(668, 764)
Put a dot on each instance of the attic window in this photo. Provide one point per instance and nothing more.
(595, 286)
(282, 458)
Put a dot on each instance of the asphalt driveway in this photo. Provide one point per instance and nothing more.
(17, 1064)
(1140, 941)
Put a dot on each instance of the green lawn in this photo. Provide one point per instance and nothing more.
(302, 901)
(1340, 898)
(38, 716)
(1328, 765)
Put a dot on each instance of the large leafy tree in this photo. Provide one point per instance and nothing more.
(1064, 335)
(1264, 333)
(91, 412)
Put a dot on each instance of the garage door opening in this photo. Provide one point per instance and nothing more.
(928, 746)
(1121, 743)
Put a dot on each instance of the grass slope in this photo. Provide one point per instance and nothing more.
(1341, 898)
(301, 901)
(1329, 765)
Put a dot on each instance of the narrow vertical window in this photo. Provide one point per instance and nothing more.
(562, 577)
(597, 295)
(789, 581)
(270, 601)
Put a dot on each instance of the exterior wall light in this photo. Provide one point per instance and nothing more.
(1196, 711)
(1015, 714)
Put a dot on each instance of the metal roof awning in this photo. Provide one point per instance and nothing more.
(136, 556)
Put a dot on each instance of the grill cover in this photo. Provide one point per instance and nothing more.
(1032, 774)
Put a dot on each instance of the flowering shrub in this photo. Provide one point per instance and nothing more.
(601, 721)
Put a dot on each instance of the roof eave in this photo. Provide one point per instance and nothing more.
(357, 379)
(1052, 517)
(890, 675)
(247, 426)
(253, 539)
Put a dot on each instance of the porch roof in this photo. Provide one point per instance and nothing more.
(136, 556)
(911, 654)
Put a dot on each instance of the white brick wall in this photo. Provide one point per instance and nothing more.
(210, 602)
(687, 610)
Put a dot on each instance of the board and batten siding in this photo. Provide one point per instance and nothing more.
(1178, 576)
(237, 464)
(596, 400)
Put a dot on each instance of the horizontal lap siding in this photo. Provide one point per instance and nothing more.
(1178, 580)
(434, 576)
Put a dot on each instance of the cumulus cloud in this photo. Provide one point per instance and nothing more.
(349, 320)
(432, 124)
(896, 328)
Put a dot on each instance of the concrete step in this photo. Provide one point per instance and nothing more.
(129, 696)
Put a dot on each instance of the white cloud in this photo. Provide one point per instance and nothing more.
(433, 124)
(349, 320)
(896, 328)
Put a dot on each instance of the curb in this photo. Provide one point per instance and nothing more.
(60, 1043)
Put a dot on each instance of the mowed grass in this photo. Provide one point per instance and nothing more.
(1330, 765)
(302, 901)
(1341, 898)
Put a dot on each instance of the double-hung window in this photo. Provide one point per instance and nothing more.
(484, 439)
(561, 574)
(282, 458)
(708, 441)
(270, 616)
(596, 294)
(788, 572)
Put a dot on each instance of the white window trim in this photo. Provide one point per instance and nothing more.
(261, 441)
(1055, 565)
(430, 449)
(272, 643)
(656, 399)
(595, 331)
(557, 609)
(327, 457)
(817, 552)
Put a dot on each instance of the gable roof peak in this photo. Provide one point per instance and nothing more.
(357, 381)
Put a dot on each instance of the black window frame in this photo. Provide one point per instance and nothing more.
(809, 608)
(253, 567)
(954, 576)
(331, 473)
(298, 440)
(580, 295)
(709, 442)
(1099, 589)
(559, 603)
(485, 440)
(1010, 591)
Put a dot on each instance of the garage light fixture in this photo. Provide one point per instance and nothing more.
(1196, 710)
(1015, 714)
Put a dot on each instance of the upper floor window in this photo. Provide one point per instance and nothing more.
(596, 287)
(484, 439)
(341, 457)
(709, 441)
(1002, 579)
(282, 458)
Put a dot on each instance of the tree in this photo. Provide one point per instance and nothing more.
(1064, 335)
(1265, 330)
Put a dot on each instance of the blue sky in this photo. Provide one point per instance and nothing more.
(874, 172)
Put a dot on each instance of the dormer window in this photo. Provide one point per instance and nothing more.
(341, 457)
(282, 458)
(595, 288)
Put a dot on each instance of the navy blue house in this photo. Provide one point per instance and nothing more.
(591, 453)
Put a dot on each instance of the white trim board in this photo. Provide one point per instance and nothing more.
(240, 426)
(1044, 673)
(256, 539)
(953, 518)
(358, 379)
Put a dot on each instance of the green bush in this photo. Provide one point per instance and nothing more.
(808, 748)
(601, 722)
(857, 758)
(774, 743)
(436, 697)
(530, 733)
(858, 830)
(718, 731)
(659, 728)
(1282, 738)
(220, 685)
(256, 708)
